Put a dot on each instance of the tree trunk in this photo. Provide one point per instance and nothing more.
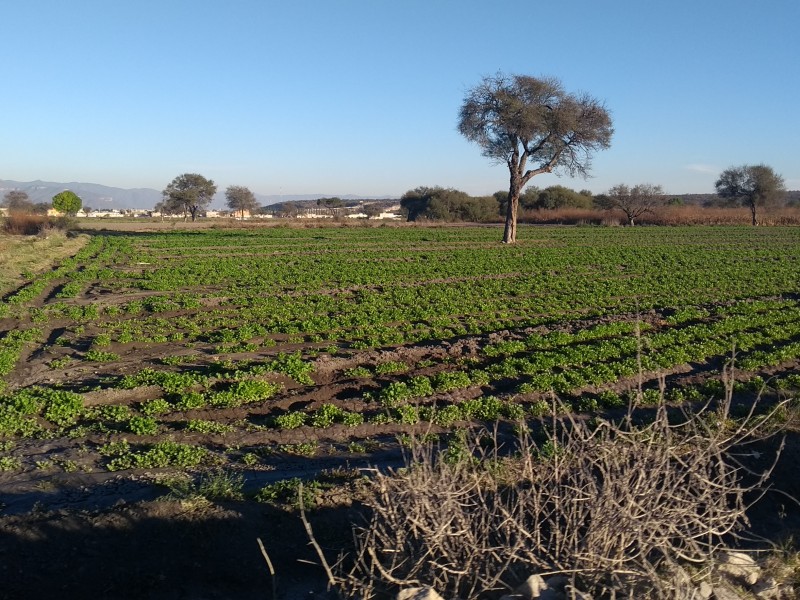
(753, 213)
(510, 233)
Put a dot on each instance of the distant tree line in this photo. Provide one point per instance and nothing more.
(751, 187)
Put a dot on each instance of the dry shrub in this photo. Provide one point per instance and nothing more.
(564, 216)
(612, 507)
(22, 223)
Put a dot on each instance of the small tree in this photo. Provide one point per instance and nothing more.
(752, 185)
(67, 202)
(520, 119)
(558, 196)
(241, 199)
(17, 200)
(373, 211)
(635, 201)
(190, 193)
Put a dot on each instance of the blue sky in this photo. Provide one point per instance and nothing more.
(362, 96)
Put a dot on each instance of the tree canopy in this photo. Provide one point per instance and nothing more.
(447, 204)
(17, 200)
(67, 202)
(188, 193)
(633, 201)
(518, 119)
(241, 199)
(752, 185)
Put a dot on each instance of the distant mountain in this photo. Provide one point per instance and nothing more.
(92, 194)
(105, 197)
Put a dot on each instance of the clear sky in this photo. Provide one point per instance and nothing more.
(362, 96)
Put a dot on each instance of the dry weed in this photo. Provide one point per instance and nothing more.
(612, 506)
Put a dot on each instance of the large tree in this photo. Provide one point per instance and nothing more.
(533, 126)
(17, 200)
(752, 185)
(67, 202)
(241, 199)
(190, 193)
(633, 201)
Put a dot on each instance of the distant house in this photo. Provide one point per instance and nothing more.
(106, 214)
(314, 215)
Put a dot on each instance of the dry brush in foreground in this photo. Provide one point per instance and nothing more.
(614, 507)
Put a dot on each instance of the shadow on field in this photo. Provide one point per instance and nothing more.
(166, 550)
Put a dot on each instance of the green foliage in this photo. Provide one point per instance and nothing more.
(158, 406)
(419, 386)
(610, 399)
(13, 422)
(11, 346)
(9, 463)
(326, 415)
(301, 449)
(100, 356)
(67, 202)
(221, 485)
(294, 366)
(60, 406)
(440, 204)
(189, 400)
(389, 367)
(287, 491)
(244, 392)
(358, 372)
(113, 413)
(395, 394)
(141, 425)
(291, 420)
(116, 448)
(211, 427)
(168, 381)
(188, 193)
(451, 380)
(162, 454)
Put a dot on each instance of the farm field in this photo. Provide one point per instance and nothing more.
(259, 357)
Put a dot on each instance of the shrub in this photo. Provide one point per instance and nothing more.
(650, 496)
(22, 223)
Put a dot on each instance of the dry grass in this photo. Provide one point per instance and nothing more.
(33, 253)
(665, 215)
